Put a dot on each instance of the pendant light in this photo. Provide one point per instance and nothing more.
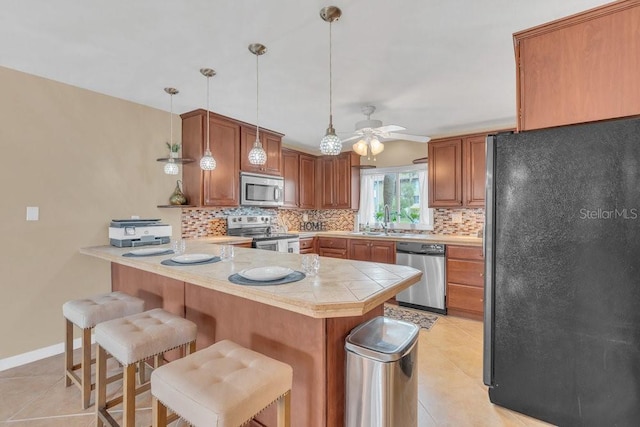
(207, 162)
(171, 168)
(257, 155)
(330, 144)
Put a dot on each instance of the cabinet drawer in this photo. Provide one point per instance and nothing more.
(333, 253)
(466, 272)
(242, 245)
(467, 298)
(307, 251)
(465, 252)
(328, 242)
(306, 243)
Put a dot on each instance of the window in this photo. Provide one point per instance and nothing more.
(403, 189)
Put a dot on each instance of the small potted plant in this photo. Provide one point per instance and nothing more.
(173, 150)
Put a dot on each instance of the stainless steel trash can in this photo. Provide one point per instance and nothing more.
(381, 380)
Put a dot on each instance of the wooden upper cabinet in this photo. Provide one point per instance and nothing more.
(445, 173)
(457, 172)
(339, 178)
(271, 143)
(220, 186)
(291, 175)
(474, 155)
(581, 68)
(307, 182)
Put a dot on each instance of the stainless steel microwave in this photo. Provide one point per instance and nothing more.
(261, 190)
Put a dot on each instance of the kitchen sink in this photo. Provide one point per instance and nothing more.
(368, 233)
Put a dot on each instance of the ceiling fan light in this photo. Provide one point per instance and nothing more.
(377, 147)
(257, 155)
(360, 148)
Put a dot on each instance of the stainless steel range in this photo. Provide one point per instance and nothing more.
(260, 229)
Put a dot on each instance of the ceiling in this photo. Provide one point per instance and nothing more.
(434, 67)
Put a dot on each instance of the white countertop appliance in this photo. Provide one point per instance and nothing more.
(138, 232)
(259, 229)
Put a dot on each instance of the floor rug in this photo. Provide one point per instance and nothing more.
(421, 318)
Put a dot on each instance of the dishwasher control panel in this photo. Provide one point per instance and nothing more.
(420, 248)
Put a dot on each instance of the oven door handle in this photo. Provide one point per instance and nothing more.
(276, 193)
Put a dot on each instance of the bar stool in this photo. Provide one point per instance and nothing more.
(134, 339)
(86, 313)
(224, 385)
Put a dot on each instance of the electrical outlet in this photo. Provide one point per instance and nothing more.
(456, 217)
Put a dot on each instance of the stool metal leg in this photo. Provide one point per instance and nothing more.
(284, 410)
(86, 368)
(68, 352)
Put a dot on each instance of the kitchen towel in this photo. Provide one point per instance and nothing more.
(293, 277)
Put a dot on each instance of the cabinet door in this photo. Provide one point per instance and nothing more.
(579, 69)
(360, 249)
(307, 182)
(474, 171)
(220, 186)
(270, 143)
(445, 173)
(342, 194)
(290, 173)
(384, 252)
(327, 182)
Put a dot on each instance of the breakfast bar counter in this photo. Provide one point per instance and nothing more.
(303, 323)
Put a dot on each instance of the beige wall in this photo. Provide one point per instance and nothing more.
(83, 158)
(397, 153)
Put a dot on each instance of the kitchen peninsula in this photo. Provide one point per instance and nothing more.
(303, 323)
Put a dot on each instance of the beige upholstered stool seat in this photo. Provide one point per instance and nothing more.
(133, 339)
(224, 385)
(86, 313)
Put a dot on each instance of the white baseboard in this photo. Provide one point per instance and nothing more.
(39, 354)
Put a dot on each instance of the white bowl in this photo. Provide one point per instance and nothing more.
(265, 274)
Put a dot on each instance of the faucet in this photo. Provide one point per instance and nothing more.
(386, 220)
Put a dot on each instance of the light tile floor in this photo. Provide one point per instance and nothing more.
(450, 388)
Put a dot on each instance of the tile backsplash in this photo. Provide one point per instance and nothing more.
(460, 222)
(206, 222)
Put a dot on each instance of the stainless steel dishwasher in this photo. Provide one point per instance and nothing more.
(429, 292)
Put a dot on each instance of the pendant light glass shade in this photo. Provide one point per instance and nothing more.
(257, 155)
(171, 168)
(330, 144)
(207, 162)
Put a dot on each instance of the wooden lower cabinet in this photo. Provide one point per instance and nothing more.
(314, 347)
(334, 247)
(242, 245)
(465, 281)
(307, 245)
(372, 250)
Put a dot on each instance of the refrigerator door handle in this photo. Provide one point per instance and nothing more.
(488, 249)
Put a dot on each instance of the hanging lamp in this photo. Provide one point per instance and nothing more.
(207, 162)
(330, 143)
(171, 168)
(257, 155)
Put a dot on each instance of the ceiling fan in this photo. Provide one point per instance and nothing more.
(370, 132)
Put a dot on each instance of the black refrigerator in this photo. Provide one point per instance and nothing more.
(562, 268)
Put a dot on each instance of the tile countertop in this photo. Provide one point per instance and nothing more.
(426, 238)
(342, 288)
